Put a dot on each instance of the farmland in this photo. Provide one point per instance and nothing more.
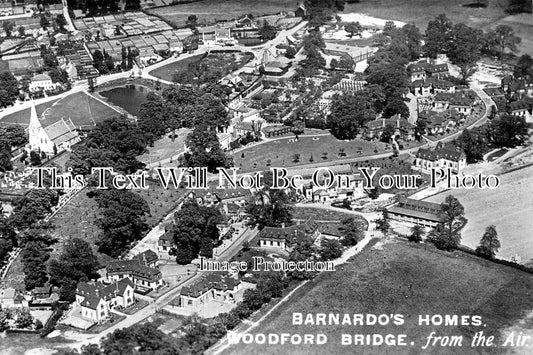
(420, 12)
(506, 207)
(396, 277)
(212, 11)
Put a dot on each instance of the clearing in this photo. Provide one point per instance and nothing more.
(405, 279)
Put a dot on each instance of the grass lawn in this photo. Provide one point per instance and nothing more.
(165, 148)
(305, 213)
(166, 72)
(281, 152)
(82, 109)
(20, 343)
(508, 207)
(397, 277)
(212, 11)
(22, 117)
(219, 64)
(420, 12)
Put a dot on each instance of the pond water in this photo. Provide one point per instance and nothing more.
(129, 97)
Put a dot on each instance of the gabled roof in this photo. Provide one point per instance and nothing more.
(292, 234)
(41, 77)
(444, 153)
(214, 280)
(60, 131)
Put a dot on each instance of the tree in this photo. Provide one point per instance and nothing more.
(44, 23)
(523, 67)
(9, 89)
(192, 21)
(447, 234)
(267, 31)
(330, 249)
(204, 150)
(438, 36)
(194, 232)
(417, 232)
(506, 39)
(352, 232)
(412, 37)
(269, 208)
(489, 244)
(508, 131)
(383, 223)
(22, 31)
(302, 252)
(290, 52)
(34, 256)
(474, 143)
(5, 156)
(61, 22)
(396, 106)
(75, 262)
(23, 319)
(152, 117)
(353, 28)
(349, 113)
(464, 48)
(32, 207)
(121, 219)
(8, 27)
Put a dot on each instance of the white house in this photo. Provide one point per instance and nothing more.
(42, 82)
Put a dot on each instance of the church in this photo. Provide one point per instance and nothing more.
(52, 139)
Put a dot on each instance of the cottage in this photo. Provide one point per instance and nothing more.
(11, 298)
(286, 238)
(402, 128)
(42, 82)
(97, 299)
(164, 244)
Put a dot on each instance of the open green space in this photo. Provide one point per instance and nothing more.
(395, 277)
(212, 11)
(420, 12)
(280, 153)
(165, 148)
(213, 66)
(305, 213)
(82, 109)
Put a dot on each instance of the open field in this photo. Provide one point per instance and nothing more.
(306, 213)
(82, 109)
(420, 12)
(212, 11)
(508, 207)
(281, 152)
(399, 278)
(167, 72)
(165, 148)
(22, 117)
(215, 64)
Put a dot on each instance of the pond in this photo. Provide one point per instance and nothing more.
(129, 97)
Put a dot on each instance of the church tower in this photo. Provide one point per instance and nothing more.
(37, 135)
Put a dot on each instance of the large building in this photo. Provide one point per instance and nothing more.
(144, 277)
(423, 213)
(446, 157)
(213, 286)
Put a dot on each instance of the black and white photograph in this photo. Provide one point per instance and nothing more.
(266, 177)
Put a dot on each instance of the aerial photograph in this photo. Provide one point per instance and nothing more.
(278, 177)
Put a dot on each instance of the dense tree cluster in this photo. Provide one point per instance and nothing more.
(8, 89)
(36, 245)
(12, 136)
(122, 219)
(269, 208)
(115, 142)
(76, 262)
(194, 232)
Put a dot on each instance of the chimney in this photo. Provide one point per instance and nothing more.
(383, 121)
(283, 225)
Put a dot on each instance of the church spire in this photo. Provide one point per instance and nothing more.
(34, 119)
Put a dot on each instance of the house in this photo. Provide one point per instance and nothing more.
(286, 238)
(148, 258)
(164, 244)
(42, 82)
(351, 83)
(424, 69)
(402, 128)
(41, 292)
(11, 298)
(54, 138)
(421, 87)
(97, 299)
(512, 86)
(144, 278)
(423, 213)
(277, 130)
(462, 101)
(211, 287)
(440, 122)
(519, 108)
(446, 157)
